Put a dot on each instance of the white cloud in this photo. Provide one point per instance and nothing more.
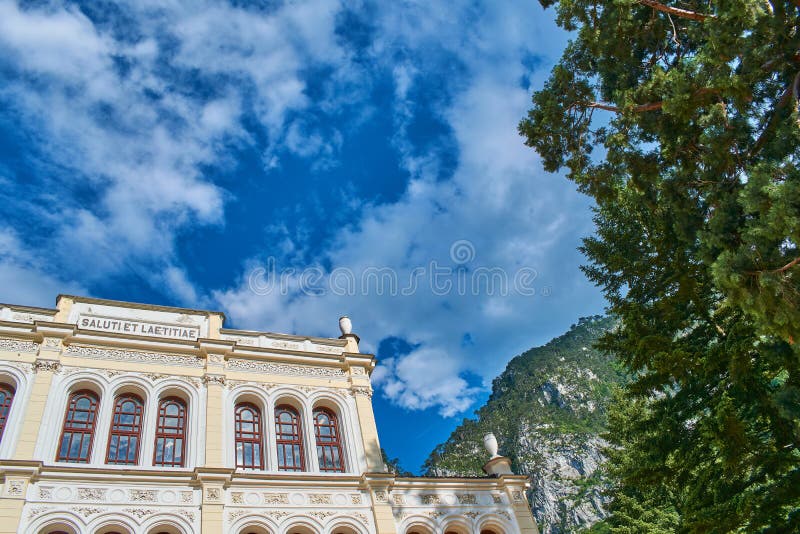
(499, 199)
(107, 115)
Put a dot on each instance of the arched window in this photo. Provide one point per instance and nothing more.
(248, 436)
(6, 397)
(78, 430)
(125, 435)
(329, 441)
(170, 433)
(287, 437)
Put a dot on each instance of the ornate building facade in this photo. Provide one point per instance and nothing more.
(128, 418)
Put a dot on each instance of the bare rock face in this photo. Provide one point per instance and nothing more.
(564, 495)
(547, 410)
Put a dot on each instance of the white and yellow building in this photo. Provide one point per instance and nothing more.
(129, 418)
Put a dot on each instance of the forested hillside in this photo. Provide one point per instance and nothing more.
(547, 410)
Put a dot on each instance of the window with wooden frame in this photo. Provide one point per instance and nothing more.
(6, 398)
(329, 441)
(77, 433)
(170, 449)
(288, 439)
(125, 436)
(248, 436)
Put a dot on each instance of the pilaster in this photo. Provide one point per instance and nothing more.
(213, 483)
(46, 365)
(378, 484)
(515, 488)
(215, 351)
(16, 479)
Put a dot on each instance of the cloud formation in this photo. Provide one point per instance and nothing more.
(131, 121)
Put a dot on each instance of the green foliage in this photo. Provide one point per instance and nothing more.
(697, 213)
(518, 402)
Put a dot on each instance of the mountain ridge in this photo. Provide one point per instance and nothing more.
(548, 411)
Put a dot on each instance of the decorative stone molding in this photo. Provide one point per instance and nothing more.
(213, 494)
(277, 516)
(46, 493)
(188, 514)
(237, 497)
(39, 510)
(91, 494)
(87, 511)
(517, 496)
(398, 499)
(430, 498)
(14, 488)
(187, 496)
(320, 498)
(361, 517)
(133, 356)
(322, 515)
(381, 496)
(276, 498)
(358, 371)
(232, 384)
(504, 514)
(139, 495)
(466, 498)
(497, 499)
(214, 379)
(24, 367)
(272, 368)
(52, 342)
(18, 345)
(216, 358)
(140, 513)
(355, 498)
(472, 515)
(365, 391)
(46, 365)
(236, 514)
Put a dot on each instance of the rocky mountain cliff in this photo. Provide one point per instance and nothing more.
(547, 410)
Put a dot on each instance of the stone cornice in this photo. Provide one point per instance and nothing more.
(138, 305)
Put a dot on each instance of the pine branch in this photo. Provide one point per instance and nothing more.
(779, 269)
(792, 93)
(651, 106)
(678, 12)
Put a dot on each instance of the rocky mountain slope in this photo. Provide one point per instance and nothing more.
(547, 410)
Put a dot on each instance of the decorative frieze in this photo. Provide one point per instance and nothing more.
(91, 494)
(365, 391)
(273, 368)
(46, 493)
(214, 379)
(87, 511)
(53, 343)
(140, 495)
(46, 365)
(187, 497)
(276, 498)
(355, 498)
(140, 513)
(430, 498)
(466, 498)
(319, 498)
(133, 356)
(237, 497)
(18, 345)
(14, 488)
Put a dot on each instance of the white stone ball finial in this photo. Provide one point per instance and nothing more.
(490, 442)
(345, 325)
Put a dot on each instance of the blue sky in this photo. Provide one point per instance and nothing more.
(181, 152)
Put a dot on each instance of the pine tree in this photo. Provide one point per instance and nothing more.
(694, 107)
